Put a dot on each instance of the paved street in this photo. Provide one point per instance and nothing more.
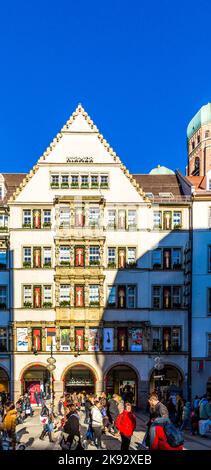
(29, 433)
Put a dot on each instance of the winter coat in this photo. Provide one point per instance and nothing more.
(113, 409)
(71, 426)
(96, 417)
(159, 441)
(204, 409)
(9, 421)
(159, 411)
(126, 423)
(186, 412)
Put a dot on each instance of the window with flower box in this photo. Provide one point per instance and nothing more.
(47, 296)
(166, 297)
(27, 257)
(177, 219)
(94, 216)
(64, 255)
(111, 257)
(104, 181)
(27, 218)
(64, 295)
(157, 219)
(112, 296)
(94, 255)
(54, 181)
(3, 222)
(27, 296)
(46, 218)
(131, 257)
(64, 216)
(111, 219)
(94, 181)
(84, 181)
(47, 257)
(65, 181)
(74, 181)
(131, 221)
(94, 295)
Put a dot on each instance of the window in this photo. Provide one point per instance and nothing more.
(121, 219)
(131, 296)
(27, 218)
(166, 297)
(167, 220)
(79, 256)
(79, 217)
(206, 134)
(177, 219)
(156, 339)
(131, 256)
(209, 301)
(64, 295)
(167, 258)
(3, 259)
(47, 296)
(1, 191)
(47, 256)
(104, 181)
(209, 345)
(3, 297)
(176, 338)
(94, 295)
(94, 255)
(74, 181)
(156, 297)
(94, 214)
(94, 181)
(157, 219)
(65, 339)
(65, 181)
(37, 339)
(112, 219)
(51, 339)
(84, 181)
(112, 296)
(193, 145)
(27, 296)
(176, 297)
(157, 259)
(55, 181)
(64, 255)
(198, 139)
(27, 257)
(3, 221)
(131, 219)
(176, 258)
(3, 340)
(46, 218)
(111, 257)
(64, 216)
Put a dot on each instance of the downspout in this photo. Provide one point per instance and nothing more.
(190, 306)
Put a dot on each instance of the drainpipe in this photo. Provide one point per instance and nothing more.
(190, 306)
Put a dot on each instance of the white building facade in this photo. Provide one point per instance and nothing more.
(98, 273)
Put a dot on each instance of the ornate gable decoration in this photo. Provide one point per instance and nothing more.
(66, 128)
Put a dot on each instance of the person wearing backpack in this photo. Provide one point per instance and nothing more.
(163, 435)
(126, 424)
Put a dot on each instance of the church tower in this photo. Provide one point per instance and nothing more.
(199, 142)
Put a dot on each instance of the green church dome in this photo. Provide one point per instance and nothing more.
(202, 117)
(161, 170)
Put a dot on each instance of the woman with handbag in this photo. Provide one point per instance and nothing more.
(71, 432)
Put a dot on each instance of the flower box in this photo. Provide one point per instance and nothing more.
(26, 264)
(3, 229)
(26, 226)
(54, 185)
(64, 303)
(74, 185)
(84, 185)
(27, 305)
(46, 225)
(47, 304)
(64, 185)
(94, 185)
(94, 304)
(112, 265)
(94, 263)
(64, 263)
(47, 265)
(104, 185)
(177, 226)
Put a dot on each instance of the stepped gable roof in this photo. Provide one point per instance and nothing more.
(12, 181)
(156, 184)
(88, 126)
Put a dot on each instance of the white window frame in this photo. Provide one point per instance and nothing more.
(27, 258)
(47, 293)
(94, 254)
(64, 216)
(28, 294)
(27, 219)
(131, 296)
(94, 294)
(156, 297)
(64, 254)
(64, 293)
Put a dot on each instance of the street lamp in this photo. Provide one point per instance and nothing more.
(51, 367)
(158, 365)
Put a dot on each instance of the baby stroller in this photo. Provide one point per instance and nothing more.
(89, 437)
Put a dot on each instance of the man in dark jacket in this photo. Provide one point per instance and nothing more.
(156, 410)
(113, 411)
(71, 426)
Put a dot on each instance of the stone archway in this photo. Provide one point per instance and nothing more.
(169, 380)
(4, 380)
(80, 377)
(35, 377)
(123, 379)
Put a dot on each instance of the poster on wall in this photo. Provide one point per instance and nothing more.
(22, 339)
(65, 339)
(94, 339)
(135, 339)
(108, 339)
(51, 339)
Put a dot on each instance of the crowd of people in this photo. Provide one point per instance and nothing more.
(82, 419)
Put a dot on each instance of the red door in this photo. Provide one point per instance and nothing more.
(33, 387)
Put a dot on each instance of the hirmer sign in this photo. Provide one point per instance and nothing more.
(79, 160)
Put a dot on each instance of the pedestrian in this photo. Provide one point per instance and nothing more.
(88, 406)
(126, 424)
(179, 408)
(172, 410)
(113, 412)
(163, 435)
(61, 407)
(72, 428)
(36, 396)
(186, 416)
(97, 424)
(8, 425)
(156, 410)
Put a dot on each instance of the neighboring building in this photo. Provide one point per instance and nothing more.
(8, 184)
(98, 271)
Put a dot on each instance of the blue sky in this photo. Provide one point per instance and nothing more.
(141, 69)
